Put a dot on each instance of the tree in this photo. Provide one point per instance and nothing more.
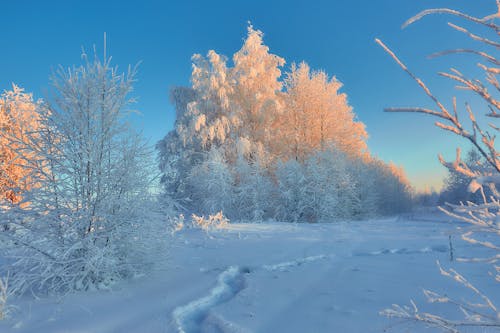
(317, 115)
(331, 185)
(224, 107)
(81, 228)
(456, 183)
(210, 121)
(203, 123)
(368, 195)
(253, 184)
(295, 200)
(238, 127)
(18, 122)
(483, 217)
(255, 77)
(211, 184)
(175, 154)
(396, 188)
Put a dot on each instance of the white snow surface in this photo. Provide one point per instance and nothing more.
(274, 277)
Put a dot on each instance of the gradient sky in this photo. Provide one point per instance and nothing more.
(336, 36)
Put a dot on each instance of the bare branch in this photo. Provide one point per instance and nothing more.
(416, 109)
(484, 218)
(485, 55)
(474, 86)
(452, 12)
(419, 81)
(474, 36)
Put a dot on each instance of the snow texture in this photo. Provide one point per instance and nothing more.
(190, 317)
(274, 277)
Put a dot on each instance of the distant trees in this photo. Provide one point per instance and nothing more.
(19, 123)
(86, 221)
(242, 136)
(211, 183)
(456, 185)
(324, 190)
(429, 197)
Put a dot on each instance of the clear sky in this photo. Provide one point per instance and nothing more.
(336, 36)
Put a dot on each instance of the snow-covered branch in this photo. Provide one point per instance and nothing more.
(483, 218)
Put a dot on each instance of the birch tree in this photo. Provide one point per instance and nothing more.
(255, 77)
(318, 115)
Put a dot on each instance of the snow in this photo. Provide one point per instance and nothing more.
(273, 277)
(191, 317)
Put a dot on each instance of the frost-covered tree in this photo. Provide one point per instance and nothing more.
(332, 185)
(456, 183)
(240, 126)
(255, 77)
(224, 107)
(482, 312)
(295, 201)
(317, 115)
(329, 186)
(176, 155)
(394, 187)
(18, 123)
(211, 184)
(253, 184)
(368, 197)
(210, 121)
(86, 221)
(204, 122)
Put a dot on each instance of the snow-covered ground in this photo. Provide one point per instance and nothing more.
(274, 277)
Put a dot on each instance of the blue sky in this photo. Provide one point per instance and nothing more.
(336, 36)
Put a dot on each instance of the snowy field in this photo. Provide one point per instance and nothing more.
(277, 277)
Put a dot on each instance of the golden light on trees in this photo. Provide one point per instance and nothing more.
(318, 115)
(19, 122)
(257, 140)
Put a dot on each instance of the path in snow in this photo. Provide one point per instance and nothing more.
(427, 249)
(283, 266)
(192, 317)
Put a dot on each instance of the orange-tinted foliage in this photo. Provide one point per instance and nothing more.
(19, 122)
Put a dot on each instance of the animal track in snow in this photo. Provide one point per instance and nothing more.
(436, 248)
(294, 263)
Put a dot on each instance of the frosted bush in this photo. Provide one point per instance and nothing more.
(217, 221)
(177, 224)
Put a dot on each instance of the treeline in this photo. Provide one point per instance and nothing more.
(457, 186)
(259, 144)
